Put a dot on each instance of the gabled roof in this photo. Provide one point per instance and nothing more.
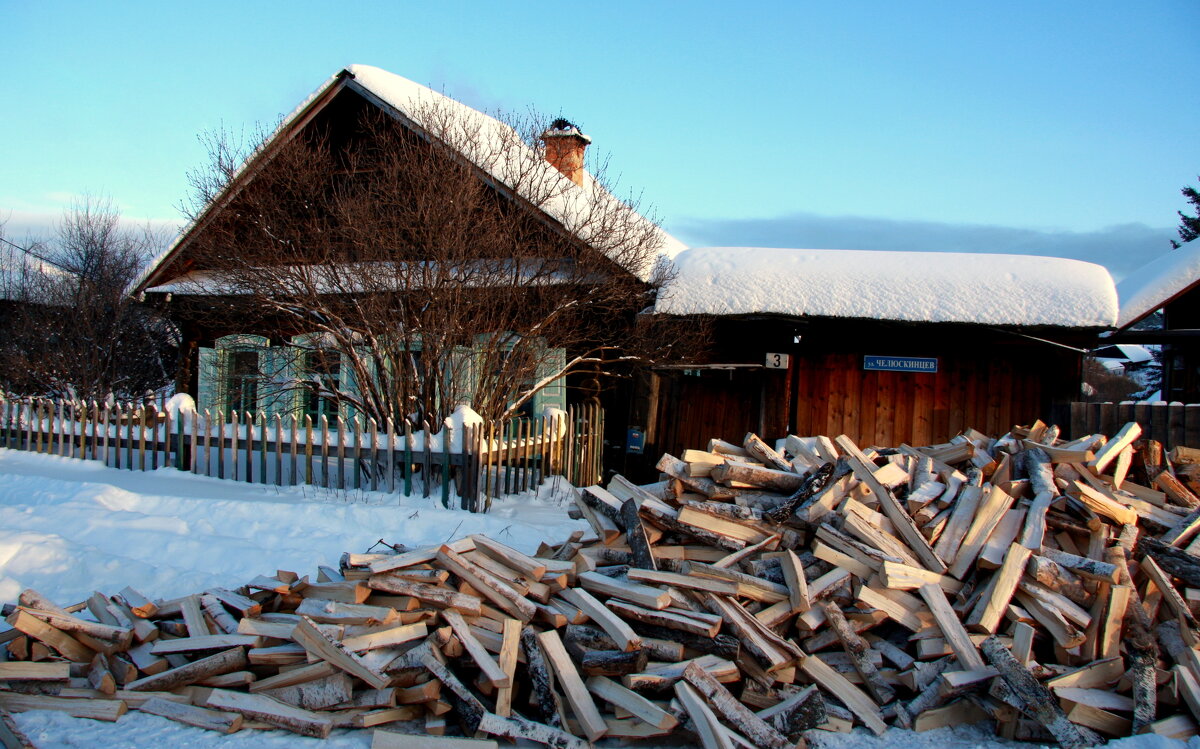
(1158, 282)
(410, 102)
(933, 287)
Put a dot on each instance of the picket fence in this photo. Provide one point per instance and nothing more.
(486, 460)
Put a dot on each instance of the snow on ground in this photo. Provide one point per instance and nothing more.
(69, 527)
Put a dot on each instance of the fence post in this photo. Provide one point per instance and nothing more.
(325, 451)
(391, 454)
(373, 449)
(294, 468)
(58, 429)
(357, 456)
(235, 421)
(427, 465)
(341, 451)
(150, 418)
(262, 447)
(408, 457)
(308, 453)
(193, 461)
(447, 446)
(489, 461)
(248, 417)
(278, 449)
(143, 414)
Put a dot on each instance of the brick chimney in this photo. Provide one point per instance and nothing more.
(564, 149)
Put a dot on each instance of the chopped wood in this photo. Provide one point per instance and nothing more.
(234, 659)
(269, 710)
(713, 597)
(210, 720)
(1037, 701)
(704, 723)
(322, 646)
(576, 693)
(96, 709)
(904, 524)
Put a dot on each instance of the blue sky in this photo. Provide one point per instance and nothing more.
(1052, 128)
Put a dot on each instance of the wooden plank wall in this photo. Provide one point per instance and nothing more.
(836, 396)
(694, 408)
(1173, 424)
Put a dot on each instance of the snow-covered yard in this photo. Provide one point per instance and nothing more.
(69, 527)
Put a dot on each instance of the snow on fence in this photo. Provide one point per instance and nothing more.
(1173, 424)
(482, 460)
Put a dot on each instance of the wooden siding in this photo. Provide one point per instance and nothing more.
(986, 379)
(836, 396)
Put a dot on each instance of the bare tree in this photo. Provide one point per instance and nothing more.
(439, 264)
(71, 330)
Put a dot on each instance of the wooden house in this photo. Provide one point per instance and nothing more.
(886, 347)
(1171, 283)
(236, 363)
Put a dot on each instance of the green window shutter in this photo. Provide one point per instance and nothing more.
(553, 395)
(463, 376)
(350, 384)
(209, 390)
(276, 392)
(240, 372)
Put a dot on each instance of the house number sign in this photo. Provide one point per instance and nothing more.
(777, 361)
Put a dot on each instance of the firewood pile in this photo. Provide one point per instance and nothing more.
(753, 595)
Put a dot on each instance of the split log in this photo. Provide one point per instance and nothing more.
(322, 646)
(1176, 562)
(97, 709)
(546, 699)
(857, 648)
(210, 720)
(704, 723)
(568, 678)
(268, 710)
(516, 727)
(234, 659)
(903, 524)
(727, 706)
(1037, 701)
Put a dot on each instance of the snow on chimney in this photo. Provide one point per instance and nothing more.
(564, 149)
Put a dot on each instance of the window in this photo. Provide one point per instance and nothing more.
(321, 369)
(242, 386)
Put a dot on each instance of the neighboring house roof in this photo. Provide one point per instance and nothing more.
(1158, 282)
(1130, 352)
(941, 287)
(410, 102)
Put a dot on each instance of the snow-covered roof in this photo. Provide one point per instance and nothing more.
(1130, 352)
(1157, 282)
(480, 132)
(1017, 290)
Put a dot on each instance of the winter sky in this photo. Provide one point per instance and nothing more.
(1059, 128)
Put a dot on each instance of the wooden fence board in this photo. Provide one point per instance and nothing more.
(523, 452)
